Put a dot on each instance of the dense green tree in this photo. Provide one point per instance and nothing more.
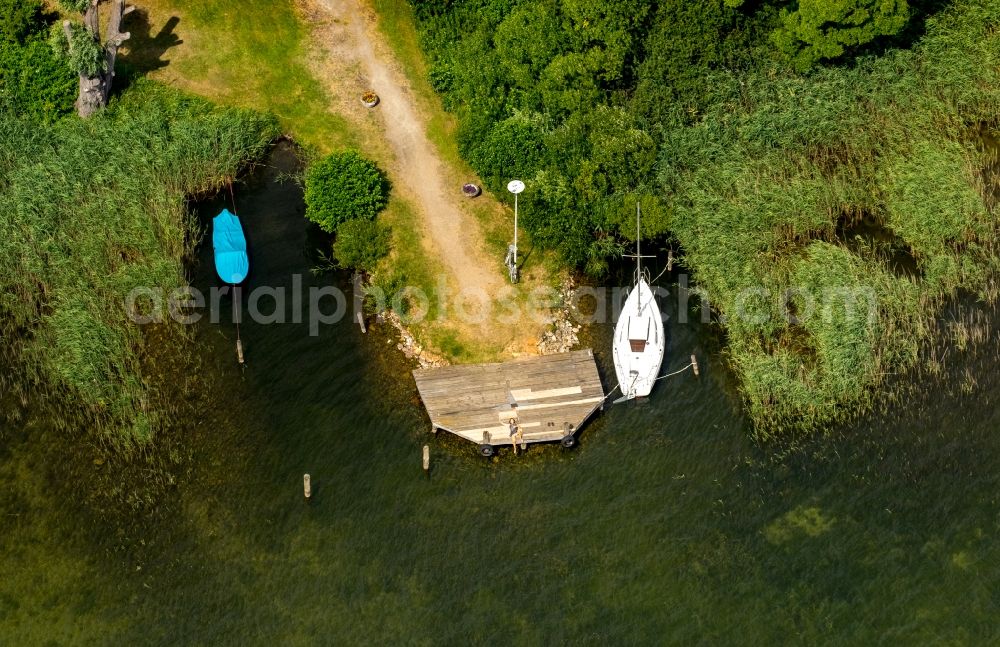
(480, 86)
(609, 33)
(528, 40)
(344, 186)
(684, 44)
(513, 148)
(601, 42)
(623, 153)
(818, 30)
(569, 84)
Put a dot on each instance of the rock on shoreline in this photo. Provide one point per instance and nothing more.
(563, 335)
(408, 344)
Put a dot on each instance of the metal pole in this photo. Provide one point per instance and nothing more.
(515, 230)
(515, 187)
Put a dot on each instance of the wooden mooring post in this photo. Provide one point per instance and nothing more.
(307, 485)
(694, 365)
(427, 459)
(237, 317)
(359, 301)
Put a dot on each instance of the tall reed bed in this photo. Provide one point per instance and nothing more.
(873, 179)
(90, 211)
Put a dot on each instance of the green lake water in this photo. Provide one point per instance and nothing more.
(666, 525)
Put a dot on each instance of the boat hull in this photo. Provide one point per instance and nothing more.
(639, 343)
(230, 246)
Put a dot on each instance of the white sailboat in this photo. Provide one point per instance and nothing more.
(639, 340)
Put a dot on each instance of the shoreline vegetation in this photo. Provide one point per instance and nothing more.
(866, 171)
(873, 171)
(92, 210)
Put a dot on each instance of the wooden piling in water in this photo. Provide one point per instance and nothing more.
(694, 365)
(427, 458)
(239, 350)
(307, 485)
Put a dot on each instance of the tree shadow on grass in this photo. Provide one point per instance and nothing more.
(145, 51)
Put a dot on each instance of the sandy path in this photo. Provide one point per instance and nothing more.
(356, 54)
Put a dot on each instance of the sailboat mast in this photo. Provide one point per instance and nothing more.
(638, 262)
(638, 267)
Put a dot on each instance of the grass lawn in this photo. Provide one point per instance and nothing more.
(250, 54)
(262, 54)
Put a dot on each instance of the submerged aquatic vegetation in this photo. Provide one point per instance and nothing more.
(91, 211)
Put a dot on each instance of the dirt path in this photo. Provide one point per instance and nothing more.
(353, 45)
(315, 88)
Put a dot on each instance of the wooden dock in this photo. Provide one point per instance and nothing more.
(548, 398)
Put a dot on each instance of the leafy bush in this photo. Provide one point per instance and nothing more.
(33, 81)
(512, 149)
(344, 186)
(82, 53)
(361, 244)
(19, 19)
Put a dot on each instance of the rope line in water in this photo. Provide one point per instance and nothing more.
(669, 266)
(236, 311)
(677, 372)
(232, 198)
(658, 276)
(611, 393)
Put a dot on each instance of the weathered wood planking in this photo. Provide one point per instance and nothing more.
(550, 391)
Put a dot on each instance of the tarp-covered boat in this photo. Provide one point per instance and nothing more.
(230, 245)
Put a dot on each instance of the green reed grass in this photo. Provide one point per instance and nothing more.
(770, 186)
(92, 210)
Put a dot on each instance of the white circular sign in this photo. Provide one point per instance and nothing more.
(515, 186)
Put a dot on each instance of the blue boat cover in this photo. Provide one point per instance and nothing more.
(231, 262)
